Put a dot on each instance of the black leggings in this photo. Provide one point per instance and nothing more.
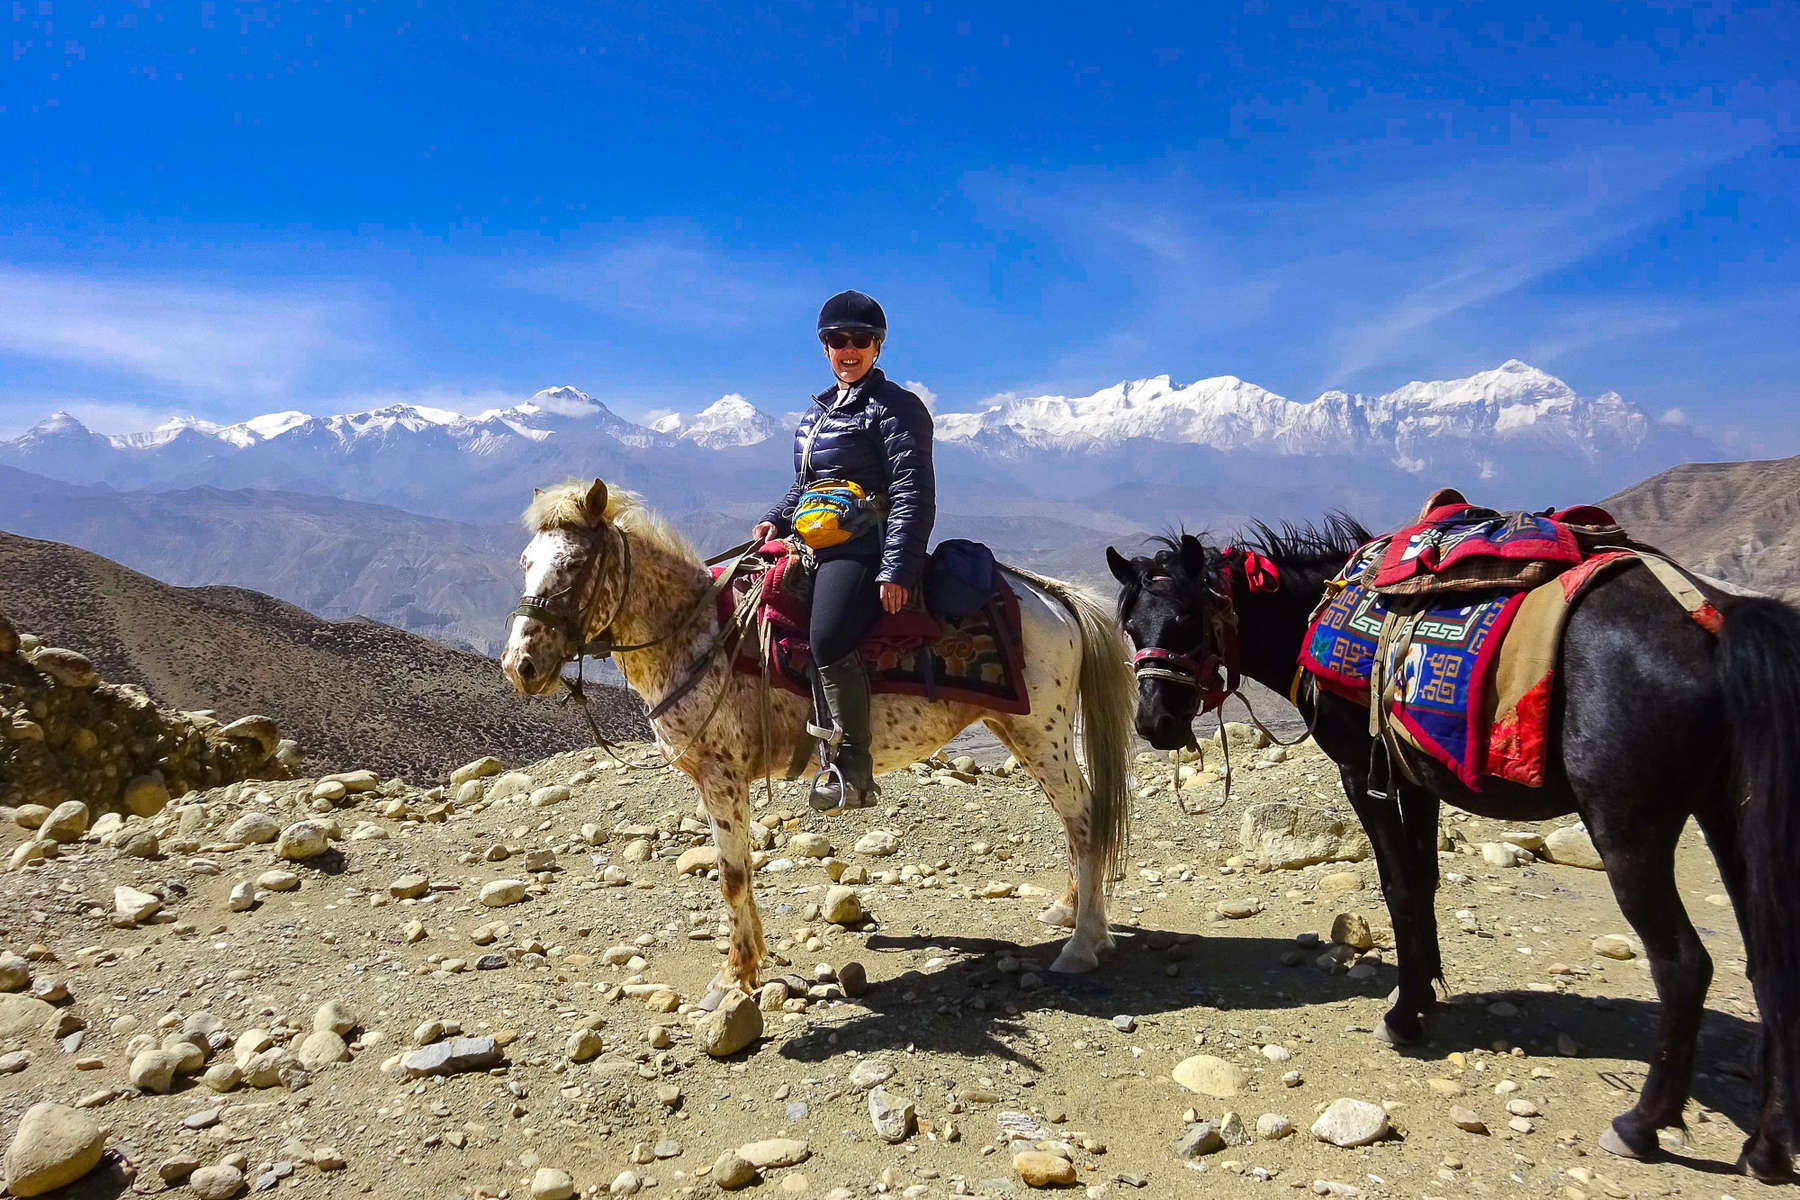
(846, 602)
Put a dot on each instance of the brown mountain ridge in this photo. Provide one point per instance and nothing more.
(353, 693)
(1739, 521)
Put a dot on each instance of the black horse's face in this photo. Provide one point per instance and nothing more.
(1163, 607)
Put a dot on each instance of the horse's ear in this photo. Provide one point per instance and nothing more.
(596, 503)
(1120, 566)
(536, 492)
(1193, 556)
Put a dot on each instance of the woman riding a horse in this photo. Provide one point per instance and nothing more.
(873, 435)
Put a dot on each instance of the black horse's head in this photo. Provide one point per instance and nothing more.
(1198, 615)
(1174, 616)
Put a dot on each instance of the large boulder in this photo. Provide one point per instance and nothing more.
(1291, 836)
(258, 729)
(66, 667)
(54, 1145)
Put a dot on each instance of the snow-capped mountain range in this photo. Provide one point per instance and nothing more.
(1514, 402)
(1514, 425)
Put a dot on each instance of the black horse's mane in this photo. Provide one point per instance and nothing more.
(1328, 542)
(1291, 545)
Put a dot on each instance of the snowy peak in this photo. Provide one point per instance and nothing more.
(730, 420)
(61, 423)
(165, 433)
(564, 401)
(1223, 411)
(1513, 402)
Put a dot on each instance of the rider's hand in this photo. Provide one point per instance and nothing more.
(893, 596)
(764, 533)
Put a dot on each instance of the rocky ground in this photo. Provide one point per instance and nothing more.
(359, 986)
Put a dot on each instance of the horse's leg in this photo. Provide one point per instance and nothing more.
(1403, 830)
(1638, 848)
(1051, 763)
(1765, 1154)
(1061, 914)
(727, 801)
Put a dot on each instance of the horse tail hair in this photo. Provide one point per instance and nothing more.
(1758, 668)
(1107, 691)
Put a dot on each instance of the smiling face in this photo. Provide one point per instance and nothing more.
(851, 362)
(1163, 608)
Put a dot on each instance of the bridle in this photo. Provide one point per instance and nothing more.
(1219, 653)
(564, 611)
(1212, 668)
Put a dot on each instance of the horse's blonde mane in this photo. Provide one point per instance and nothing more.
(565, 507)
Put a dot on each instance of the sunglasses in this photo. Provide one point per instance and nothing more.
(838, 340)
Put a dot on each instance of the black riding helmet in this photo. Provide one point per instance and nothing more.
(853, 312)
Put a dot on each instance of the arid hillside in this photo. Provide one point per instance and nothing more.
(350, 692)
(1737, 520)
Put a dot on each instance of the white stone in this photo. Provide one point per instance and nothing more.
(501, 892)
(1347, 1122)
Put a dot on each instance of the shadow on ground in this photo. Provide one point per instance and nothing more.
(968, 1005)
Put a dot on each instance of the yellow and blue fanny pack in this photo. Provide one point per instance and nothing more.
(832, 512)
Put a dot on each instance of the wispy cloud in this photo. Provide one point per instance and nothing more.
(176, 333)
(922, 392)
(1369, 268)
(1477, 238)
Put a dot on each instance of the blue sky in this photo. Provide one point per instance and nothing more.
(223, 209)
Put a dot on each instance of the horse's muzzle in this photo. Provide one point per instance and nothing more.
(529, 673)
(1159, 723)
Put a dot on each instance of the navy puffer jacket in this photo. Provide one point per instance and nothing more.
(879, 438)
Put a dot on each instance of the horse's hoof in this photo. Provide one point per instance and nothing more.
(1075, 962)
(1393, 1037)
(714, 997)
(1612, 1143)
(1059, 915)
(1766, 1168)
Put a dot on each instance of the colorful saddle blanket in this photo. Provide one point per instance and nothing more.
(1456, 546)
(1474, 688)
(975, 660)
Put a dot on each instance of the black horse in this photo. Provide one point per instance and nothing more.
(1654, 719)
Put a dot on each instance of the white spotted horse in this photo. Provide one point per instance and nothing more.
(604, 574)
(1657, 714)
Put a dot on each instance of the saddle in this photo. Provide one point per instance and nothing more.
(787, 605)
(970, 657)
(1450, 631)
(1455, 546)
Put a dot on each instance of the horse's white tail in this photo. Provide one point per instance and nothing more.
(1108, 692)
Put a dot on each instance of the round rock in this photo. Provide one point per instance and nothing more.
(1209, 1075)
(55, 1145)
(1347, 1122)
(303, 840)
(220, 1182)
(550, 1183)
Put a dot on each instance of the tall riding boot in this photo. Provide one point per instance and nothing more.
(843, 689)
